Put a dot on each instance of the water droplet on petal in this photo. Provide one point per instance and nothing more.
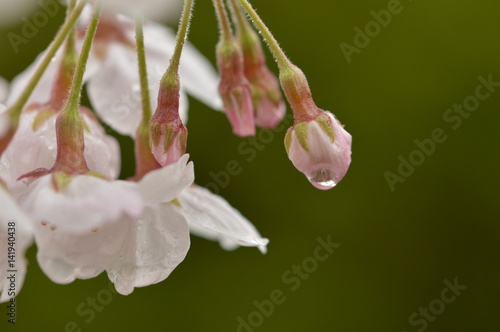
(323, 179)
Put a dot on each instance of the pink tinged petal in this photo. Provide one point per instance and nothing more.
(268, 102)
(270, 108)
(80, 229)
(164, 185)
(235, 89)
(169, 150)
(153, 249)
(9, 213)
(268, 114)
(212, 217)
(324, 163)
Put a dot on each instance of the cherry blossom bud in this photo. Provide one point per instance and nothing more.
(268, 102)
(168, 135)
(317, 143)
(235, 89)
(321, 149)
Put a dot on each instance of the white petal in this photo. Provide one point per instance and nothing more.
(39, 148)
(164, 185)
(43, 89)
(162, 10)
(197, 75)
(13, 11)
(114, 90)
(211, 216)
(80, 229)
(153, 249)
(102, 151)
(23, 238)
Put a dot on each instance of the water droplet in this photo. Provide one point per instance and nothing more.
(323, 179)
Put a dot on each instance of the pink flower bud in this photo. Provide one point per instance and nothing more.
(235, 89)
(168, 141)
(268, 102)
(168, 135)
(321, 149)
(269, 106)
(317, 143)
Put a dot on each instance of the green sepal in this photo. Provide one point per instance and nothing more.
(325, 123)
(288, 140)
(302, 132)
(60, 180)
(176, 202)
(97, 175)
(41, 117)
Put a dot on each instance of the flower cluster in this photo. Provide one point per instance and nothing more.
(59, 169)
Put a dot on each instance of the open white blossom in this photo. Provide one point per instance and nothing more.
(80, 223)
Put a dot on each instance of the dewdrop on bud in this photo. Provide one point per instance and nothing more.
(321, 149)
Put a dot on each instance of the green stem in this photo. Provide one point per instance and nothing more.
(279, 55)
(143, 71)
(70, 43)
(237, 12)
(71, 5)
(181, 36)
(67, 27)
(222, 18)
(76, 86)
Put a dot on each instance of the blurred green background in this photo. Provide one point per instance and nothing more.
(396, 247)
